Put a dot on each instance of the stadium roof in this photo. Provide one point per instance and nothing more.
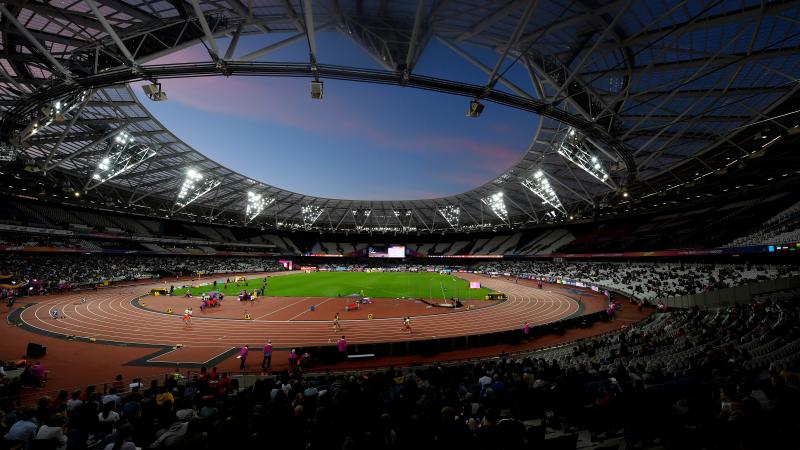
(655, 93)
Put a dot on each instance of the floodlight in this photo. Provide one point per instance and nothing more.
(256, 203)
(310, 215)
(574, 149)
(316, 90)
(451, 214)
(497, 205)
(539, 184)
(51, 112)
(405, 217)
(475, 108)
(364, 215)
(123, 154)
(194, 186)
(7, 153)
(153, 92)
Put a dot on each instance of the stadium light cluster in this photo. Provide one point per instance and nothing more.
(256, 203)
(52, 112)
(360, 217)
(496, 203)
(7, 153)
(573, 149)
(124, 153)
(310, 215)
(451, 214)
(477, 226)
(539, 184)
(194, 186)
(405, 217)
(390, 229)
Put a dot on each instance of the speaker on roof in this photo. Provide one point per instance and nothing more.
(475, 109)
(316, 90)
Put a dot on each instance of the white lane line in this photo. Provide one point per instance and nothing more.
(306, 310)
(293, 303)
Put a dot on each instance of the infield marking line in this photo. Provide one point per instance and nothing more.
(281, 309)
(306, 310)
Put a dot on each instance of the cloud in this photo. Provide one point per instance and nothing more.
(277, 102)
(469, 161)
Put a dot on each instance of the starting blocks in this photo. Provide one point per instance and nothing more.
(169, 310)
(248, 317)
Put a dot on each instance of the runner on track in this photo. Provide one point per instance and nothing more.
(336, 325)
(54, 313)
(407, 324)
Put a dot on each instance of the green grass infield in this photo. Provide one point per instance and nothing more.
(428, 285)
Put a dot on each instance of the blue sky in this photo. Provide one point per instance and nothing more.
(363, 141)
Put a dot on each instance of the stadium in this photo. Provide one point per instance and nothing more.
(324, 224)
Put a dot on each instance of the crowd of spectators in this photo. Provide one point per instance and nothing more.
(175, 245)
(53, 270)
(645, 281)
(682, 379)
(387, 265)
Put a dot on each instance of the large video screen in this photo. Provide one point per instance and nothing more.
(387, 251)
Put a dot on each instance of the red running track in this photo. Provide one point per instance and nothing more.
(110, 315)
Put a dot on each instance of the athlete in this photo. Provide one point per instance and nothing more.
(54, 313)
(407, 324)
(187, 316)
(336, 325)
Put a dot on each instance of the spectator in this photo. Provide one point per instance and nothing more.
(23, 431)
(53, 429)
(109, 413)
(112, 397)
(74, 402)
(136, 385)
(118, 384)
(123, 439)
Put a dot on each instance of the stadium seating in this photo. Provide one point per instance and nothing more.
(79, 270)
(781, 228)
(645, 281)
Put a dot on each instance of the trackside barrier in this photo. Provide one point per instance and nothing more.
(329, 355)
(248, 379)
(732, 296)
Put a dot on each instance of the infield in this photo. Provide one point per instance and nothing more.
(339, 284)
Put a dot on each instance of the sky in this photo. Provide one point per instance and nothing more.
(362, 141)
